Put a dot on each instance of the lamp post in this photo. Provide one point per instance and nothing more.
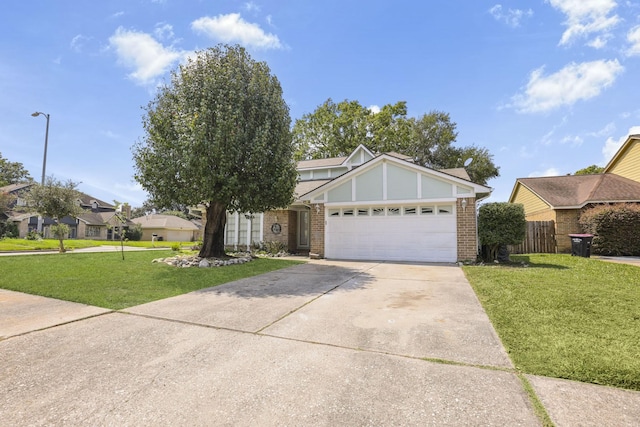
(44, 160)
(46, 141)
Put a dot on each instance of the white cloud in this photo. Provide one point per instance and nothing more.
(163, 31)
(232, 28)
(251, 7)
(607, 130)
(117, 14)
(599, 42)
(585, 17)
(145, 55)
(546, 172)
(573, 83)
(374, 109)
(573, 140)
(633, 37)
(511, 17)
(611, 146)
(78, 42)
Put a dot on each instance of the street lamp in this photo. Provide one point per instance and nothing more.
(46, 141)
(44, 160)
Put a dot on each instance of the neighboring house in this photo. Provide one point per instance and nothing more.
(371, 207)
(99, 221)
(167, 227)
(563, 198)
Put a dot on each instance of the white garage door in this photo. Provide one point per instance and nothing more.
(426, 238)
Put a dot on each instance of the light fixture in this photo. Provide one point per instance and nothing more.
(463, 203)
(317, 208)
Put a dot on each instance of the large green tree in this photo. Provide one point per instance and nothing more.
(55, 200)
(218, 135)
(12, 172)
(334, 130)
(589, 170)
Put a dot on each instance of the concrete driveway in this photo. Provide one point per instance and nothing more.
(325, 343)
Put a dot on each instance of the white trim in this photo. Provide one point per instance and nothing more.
(387, 203)
(236, 232)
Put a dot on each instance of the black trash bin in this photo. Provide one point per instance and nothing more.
(581, 244)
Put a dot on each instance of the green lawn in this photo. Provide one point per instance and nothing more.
(52, 244)
(105, 280)
(566, 317)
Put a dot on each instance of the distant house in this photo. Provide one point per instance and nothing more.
(99, 221)
(563, 198)
(167, 227)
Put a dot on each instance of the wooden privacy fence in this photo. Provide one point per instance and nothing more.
(539, 239)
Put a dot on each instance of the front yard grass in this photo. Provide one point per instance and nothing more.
(105, 280)
(566, 317)
(70, 244)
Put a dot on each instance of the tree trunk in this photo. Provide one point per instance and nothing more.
(213, 240)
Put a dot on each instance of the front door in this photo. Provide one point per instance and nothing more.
(303, 229)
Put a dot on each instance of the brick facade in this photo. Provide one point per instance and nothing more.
(466, 230)
(566, 223)
(317, 230)
(287, 235)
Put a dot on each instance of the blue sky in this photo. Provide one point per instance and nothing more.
(548, 86)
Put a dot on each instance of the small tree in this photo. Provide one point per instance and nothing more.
(55, 200)
(501, 224)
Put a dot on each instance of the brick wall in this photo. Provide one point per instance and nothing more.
(281, 217)
(466, 230)
(317, 230)
(566, 223)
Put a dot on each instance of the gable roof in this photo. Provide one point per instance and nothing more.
(632, 139)
(575, 191)
(11, 188)
(406, 163)
(164, 221)
(319, 163)
(101, 218)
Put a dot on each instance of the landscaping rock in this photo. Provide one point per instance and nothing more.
(186, 261)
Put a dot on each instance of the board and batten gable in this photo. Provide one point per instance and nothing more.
(393, 181)
(626, 162)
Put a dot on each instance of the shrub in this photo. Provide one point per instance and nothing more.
(500, 224)
(8, 229)
(33, 235)
(133, 233)
(616, 228)
(273, 247)
(175, 246)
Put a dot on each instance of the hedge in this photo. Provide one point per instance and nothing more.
(616, 229)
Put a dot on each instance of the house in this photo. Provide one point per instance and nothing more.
(371, 207)
(167, 227)
(99, 221)
(562, 199)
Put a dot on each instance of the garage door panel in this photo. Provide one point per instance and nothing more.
(395, 238)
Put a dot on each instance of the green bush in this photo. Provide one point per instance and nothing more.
(133, 233)
(616, 229)
(33, 235)
(8, 229)
(500, 224)
(175, 246)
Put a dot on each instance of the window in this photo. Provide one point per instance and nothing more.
(92, 231)
(410, 211)
(363, 212)
(334, 212)
(393, 211)
(377, 211)
(21, 202)
(426, 210)
(347, 212)
(445, 210)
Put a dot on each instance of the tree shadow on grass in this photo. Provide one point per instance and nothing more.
(524, 261)
(298, 280)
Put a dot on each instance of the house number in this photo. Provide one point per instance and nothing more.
(276, 228)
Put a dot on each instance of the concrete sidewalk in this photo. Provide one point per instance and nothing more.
(325, 343)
